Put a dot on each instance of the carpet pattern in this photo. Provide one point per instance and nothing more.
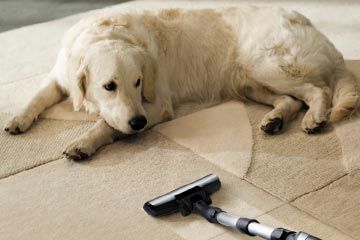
(292, 180)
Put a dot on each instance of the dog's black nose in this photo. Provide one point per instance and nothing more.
(138, 122)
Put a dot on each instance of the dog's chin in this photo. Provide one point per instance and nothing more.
(119, 128)
(124, 129)
(128, 131)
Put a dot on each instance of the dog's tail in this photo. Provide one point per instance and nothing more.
(346, 94)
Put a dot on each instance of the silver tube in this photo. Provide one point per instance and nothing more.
(260, 230)
(226, 219)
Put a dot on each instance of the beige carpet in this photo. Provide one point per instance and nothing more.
(293, 180)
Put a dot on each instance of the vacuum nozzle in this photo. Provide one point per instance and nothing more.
(172, 202)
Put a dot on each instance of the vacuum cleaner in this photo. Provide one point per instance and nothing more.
(195, 198)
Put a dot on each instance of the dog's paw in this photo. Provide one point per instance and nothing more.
(76, 154)
(18, 124)
(78, 151)
(313, 123)
(272, 125)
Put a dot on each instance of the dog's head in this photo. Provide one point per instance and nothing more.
(116, 77)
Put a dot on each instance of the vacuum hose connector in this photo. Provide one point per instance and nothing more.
(208, 212)
(305, 236)
(285, 234)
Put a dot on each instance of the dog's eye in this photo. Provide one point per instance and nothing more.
(137, 83)
(111, 86)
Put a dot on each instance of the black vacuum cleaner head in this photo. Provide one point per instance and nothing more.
(172, 202)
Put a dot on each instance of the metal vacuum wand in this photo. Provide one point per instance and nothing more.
(195, 198)
(253, 228)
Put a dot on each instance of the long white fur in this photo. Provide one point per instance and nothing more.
(269, 55)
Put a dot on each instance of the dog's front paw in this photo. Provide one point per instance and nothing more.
(78, 151)
(18, 124)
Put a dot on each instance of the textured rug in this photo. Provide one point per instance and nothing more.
(293, 180)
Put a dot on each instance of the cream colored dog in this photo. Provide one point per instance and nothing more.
(133, 69)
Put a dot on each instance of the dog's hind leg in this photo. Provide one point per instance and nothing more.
(48, 95)
(317, 98)
(285, 107)
(319, 101)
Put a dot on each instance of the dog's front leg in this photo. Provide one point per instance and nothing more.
(102, 134)
(99, 135)
(47, 96)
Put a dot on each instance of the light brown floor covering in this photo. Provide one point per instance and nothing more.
(293, 180)
(104, 197)
(292, 163)
(43, 143)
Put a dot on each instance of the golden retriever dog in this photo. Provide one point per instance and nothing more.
(133, 69)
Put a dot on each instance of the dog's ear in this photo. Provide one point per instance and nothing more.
(78, 89)
(149, 76)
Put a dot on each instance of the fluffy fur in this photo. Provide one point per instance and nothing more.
(268, 55)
